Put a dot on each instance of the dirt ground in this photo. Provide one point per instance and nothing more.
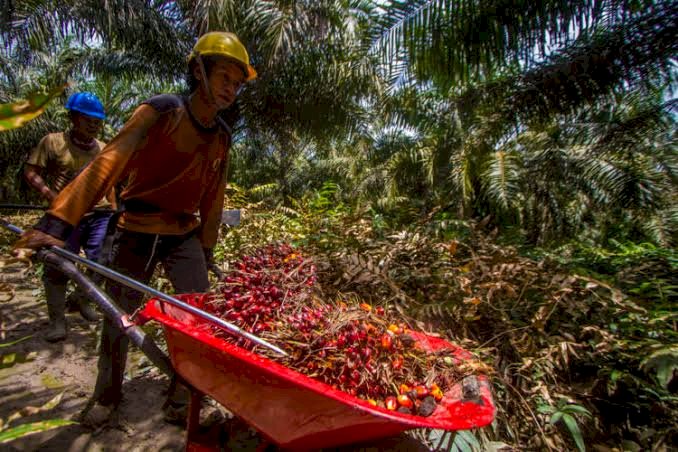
(42, 370)
(34, 371)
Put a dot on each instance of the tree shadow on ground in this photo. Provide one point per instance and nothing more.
(38, 370)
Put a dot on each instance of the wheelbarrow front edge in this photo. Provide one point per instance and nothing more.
(295, 411)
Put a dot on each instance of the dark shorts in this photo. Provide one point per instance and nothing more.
(136, 255)
(88, 235)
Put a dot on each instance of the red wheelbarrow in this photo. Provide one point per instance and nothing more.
(289, 409)
(286, 407)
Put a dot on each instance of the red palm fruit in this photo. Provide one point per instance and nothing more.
(379, 310)
(391, 403)
(365, 307)
(436, 392)
(397, 362)
(405, 401)
(372, 402)
(404, 389)
(422, 391)
(370, 329)
(427, 406)
(369, 366)
(386, 341)
(395, 329)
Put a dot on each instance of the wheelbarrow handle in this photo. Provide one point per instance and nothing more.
(119, 317)
(136, 285)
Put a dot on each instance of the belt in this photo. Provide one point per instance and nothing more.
(138, 206)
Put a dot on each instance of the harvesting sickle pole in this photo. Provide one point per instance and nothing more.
(136, 285)
(21, 207)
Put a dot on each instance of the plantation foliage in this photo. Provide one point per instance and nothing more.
(502, 172)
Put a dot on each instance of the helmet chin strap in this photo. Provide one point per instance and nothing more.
(84, 144)
(203, 73)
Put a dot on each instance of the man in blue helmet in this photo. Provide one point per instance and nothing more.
(51, 165)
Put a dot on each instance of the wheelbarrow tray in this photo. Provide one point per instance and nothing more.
(295, 411)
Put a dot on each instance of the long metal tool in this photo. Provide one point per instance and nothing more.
(119, 317)
(136, 285)
(21, 207)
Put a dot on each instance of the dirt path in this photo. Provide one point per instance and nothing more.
(43, 370)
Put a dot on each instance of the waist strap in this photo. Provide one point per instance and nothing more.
(138, 206)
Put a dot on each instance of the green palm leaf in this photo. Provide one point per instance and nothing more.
(631, 53)
(501, 179)
(30, 428)
(459, 41)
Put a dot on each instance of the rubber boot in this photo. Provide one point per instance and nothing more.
(96, 415)
(56, 305)
(87, 311)
(175, 407)
(77, 301)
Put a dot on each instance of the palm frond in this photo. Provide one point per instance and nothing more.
(40, 24)
(296, 93)
(501, 179)
(629, 54)
(637, 131)
(459, 40)
(263, 191)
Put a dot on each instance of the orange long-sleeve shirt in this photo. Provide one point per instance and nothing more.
(170, 163)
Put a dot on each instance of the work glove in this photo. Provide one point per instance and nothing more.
(211, 264)
(34, 239)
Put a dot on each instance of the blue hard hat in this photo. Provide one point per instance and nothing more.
(86, 103)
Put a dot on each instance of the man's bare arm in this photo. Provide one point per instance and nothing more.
(35, 180)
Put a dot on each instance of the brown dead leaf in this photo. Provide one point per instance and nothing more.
(476, 367)
(452, 247)
(7, 292)
(474, 301)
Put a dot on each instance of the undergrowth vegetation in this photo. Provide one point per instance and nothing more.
(580, 340)
(503, 173)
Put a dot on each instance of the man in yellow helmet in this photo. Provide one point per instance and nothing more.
(173, 153)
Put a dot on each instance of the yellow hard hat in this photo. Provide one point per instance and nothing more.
(227, 45)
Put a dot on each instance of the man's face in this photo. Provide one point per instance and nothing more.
(85, 126)
(225, 80)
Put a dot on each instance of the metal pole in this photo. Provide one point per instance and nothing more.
(11, 227)
(131, 283)
(21, 207)
(112, 311)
